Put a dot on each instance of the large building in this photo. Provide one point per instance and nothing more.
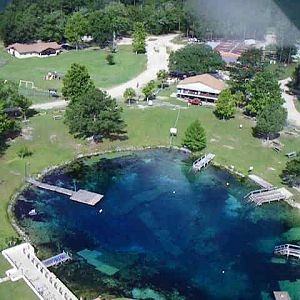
(34, 50)
(204, 87)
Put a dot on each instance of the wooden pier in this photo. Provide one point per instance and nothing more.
(203, 161)
(288, 250)
(81, 196)
(259, 197)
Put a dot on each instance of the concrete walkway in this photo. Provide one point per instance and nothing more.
(157, 59)
(28, 267)
(293, 114)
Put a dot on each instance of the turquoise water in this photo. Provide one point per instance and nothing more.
(162, 231)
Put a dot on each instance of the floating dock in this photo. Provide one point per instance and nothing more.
(203, 161)
(282, 296)
(81, 196)
(287, 250)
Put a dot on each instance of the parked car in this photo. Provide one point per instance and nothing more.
(195, 101)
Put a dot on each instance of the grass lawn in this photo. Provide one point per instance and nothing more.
(281, 71)
(51, 144)
(127, 66)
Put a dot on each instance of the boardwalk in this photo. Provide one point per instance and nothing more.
(287, 250)
(261, 182)
(57, 259)
(28, 267)
(203, 161)
(80, 196)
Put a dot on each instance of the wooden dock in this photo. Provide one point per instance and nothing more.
(203, 161)
(259, 197)
(81, 196)
(288, 250)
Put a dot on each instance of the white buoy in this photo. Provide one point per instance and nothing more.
(174, 192)
(227, 183)
(223, 272)
(101, 210)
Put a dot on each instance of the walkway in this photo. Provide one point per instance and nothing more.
(293, 114)
(28, 267)
(157, 59)
(81, 196)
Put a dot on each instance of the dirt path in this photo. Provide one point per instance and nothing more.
(293, 114)
(157, 58)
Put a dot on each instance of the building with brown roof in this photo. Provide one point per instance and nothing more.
(204, 87)
(39, 49)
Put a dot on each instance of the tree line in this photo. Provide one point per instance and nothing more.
(31, 20)
(27, 21)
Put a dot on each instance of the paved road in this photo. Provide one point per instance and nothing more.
(293, 114)
(157, 59)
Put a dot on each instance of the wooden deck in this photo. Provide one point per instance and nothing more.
(203, 161)
(288, 250)
(81, 196)
(282, 296)
(259, 197)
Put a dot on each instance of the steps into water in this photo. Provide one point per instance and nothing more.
(287, 250)
(203, 161)
(259, 197)
(81, 196)
(56, 259)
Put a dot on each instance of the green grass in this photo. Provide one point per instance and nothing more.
(51, 145)
(16, 290)
(282, 71)
(127, 66)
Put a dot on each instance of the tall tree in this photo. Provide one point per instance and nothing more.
(270, 120)
(139, 38)
(249, 63)
(225, 107)
(263, 89)
(195, 58)
(95, 113)
(296, 78)
(162, 76)
(195, 138)
(291, 173)
(53, 27)
(76, 27)
(149, 89)
(129, 94)
(76, 82)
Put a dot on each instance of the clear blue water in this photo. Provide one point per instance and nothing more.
(164, 231)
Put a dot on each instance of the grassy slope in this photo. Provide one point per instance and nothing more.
(127, 66)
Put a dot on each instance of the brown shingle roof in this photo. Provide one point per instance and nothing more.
(36, 47)
(206, 79)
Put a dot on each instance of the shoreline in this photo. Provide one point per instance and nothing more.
(21, 233)
(123, 152)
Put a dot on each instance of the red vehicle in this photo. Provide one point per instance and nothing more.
(195, 101)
